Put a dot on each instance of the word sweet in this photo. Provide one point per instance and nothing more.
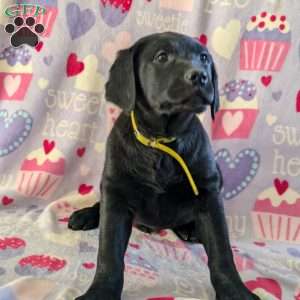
(73, 101)
(175, 22)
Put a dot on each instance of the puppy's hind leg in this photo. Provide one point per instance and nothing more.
(86, 218)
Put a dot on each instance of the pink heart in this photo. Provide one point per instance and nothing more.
(260, 244)
(231, 121)
(74, 66)
(266, 80)
(281, 186)
(48, 146)
(39, 46)
(89, 265)
(84, 189)
(163, 232)
(11, 84)
(80, 151)
(135, 246)
(6, 201)
(203, 39)
(64, 220)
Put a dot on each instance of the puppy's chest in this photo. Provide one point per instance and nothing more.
(162, 170)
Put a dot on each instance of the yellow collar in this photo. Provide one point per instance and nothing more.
(156, 143)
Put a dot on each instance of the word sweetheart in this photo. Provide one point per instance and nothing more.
(71, 128)
(283, 165)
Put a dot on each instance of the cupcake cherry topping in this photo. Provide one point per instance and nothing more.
(267, 21)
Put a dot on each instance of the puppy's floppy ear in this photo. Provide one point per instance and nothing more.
(120, 87)
(216, 101)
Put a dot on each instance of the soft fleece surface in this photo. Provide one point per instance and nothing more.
(63, 119)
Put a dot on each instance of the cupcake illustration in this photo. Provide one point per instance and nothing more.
(140, 272)
(39, 265)
(114, 12)
(41, 172)
(238, 110)
(15, 73)
(265, 43)
(167, 245)
(276, 213)
(46, 17)
(11, 247)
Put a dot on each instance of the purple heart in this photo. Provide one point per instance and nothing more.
(238, 172)
(277, 95)
(48, 60)
(13, 130)
(294, 252)
(79, 22)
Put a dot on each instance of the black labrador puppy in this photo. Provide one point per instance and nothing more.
(165, 79)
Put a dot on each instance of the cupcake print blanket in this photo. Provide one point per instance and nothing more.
(54, 123)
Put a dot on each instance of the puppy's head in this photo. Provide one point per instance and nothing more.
(165, 72)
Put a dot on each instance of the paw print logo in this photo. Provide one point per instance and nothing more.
(24, 32)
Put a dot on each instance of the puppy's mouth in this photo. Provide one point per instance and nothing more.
(185, 105)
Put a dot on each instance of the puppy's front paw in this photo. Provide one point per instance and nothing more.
(84, 219)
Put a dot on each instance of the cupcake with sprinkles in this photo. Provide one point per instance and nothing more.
(238, 110)
(265, 43)
(41, 172)
(15, 73)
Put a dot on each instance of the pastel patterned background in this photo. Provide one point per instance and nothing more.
(54, 121)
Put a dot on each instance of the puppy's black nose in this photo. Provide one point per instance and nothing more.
(195, 77)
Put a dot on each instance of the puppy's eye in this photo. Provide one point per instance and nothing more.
(162, 57)
(204, 58)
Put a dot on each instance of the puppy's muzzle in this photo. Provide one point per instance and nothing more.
(196, 77)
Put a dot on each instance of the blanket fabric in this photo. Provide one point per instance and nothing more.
(54, 122)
